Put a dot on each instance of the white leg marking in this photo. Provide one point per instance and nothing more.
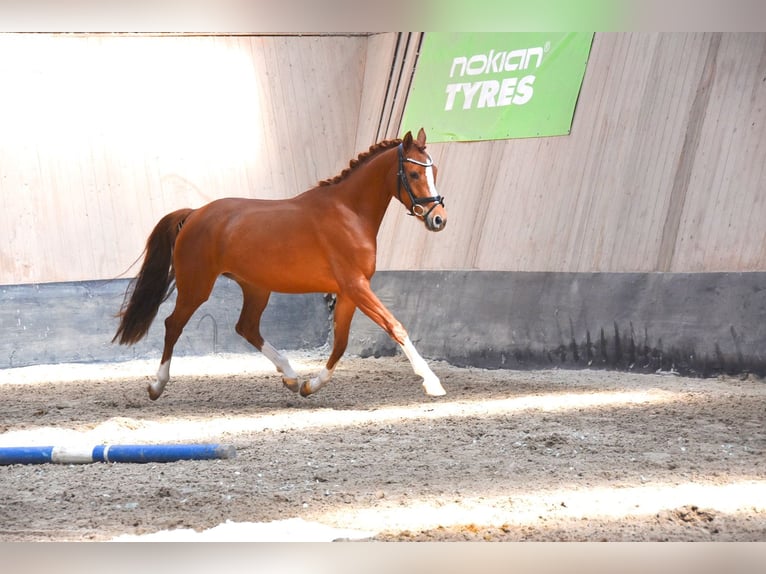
(289, 376)
(163, 376)
(431, 383)
(317, 382)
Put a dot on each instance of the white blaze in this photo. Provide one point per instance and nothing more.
(431, 181)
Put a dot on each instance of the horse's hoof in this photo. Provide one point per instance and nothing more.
(291, 384)
(306, 389)
(434, 388)
(153, 394)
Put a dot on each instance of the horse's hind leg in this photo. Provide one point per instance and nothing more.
(248, 326)
(187, 302)
(342, 315)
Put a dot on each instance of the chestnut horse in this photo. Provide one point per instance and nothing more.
(323, 240)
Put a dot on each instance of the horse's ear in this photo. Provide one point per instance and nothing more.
(407, 140)
(421, 141)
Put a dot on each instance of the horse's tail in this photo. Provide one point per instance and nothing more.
(154, 283)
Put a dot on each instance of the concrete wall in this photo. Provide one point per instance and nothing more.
(75, 322)
(698, 323)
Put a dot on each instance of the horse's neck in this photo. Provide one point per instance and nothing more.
(368, 191)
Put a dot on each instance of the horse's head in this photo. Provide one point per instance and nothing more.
(417, 177)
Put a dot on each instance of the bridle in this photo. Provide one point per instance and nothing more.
(417, 204)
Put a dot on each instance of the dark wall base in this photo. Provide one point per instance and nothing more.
(699, 324)
(75, 322)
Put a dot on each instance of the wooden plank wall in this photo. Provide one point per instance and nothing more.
(391, 60)
(101, 135)
(663, 171)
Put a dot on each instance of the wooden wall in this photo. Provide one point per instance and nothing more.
(663, 171)
(102, 135)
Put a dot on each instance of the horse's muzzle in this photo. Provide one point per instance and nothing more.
(436, 222)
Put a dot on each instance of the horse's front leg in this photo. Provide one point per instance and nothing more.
(368, 302)
(431, 384)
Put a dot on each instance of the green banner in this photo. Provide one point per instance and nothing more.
(487, 86)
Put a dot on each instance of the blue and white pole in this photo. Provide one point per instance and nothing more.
(114, 453)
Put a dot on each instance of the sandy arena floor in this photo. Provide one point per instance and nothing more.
(506, 455)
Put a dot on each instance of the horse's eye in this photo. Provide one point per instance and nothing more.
(414, 175)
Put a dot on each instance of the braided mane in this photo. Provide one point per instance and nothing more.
(363, 157)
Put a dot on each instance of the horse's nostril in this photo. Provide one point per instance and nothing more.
(438, 221)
